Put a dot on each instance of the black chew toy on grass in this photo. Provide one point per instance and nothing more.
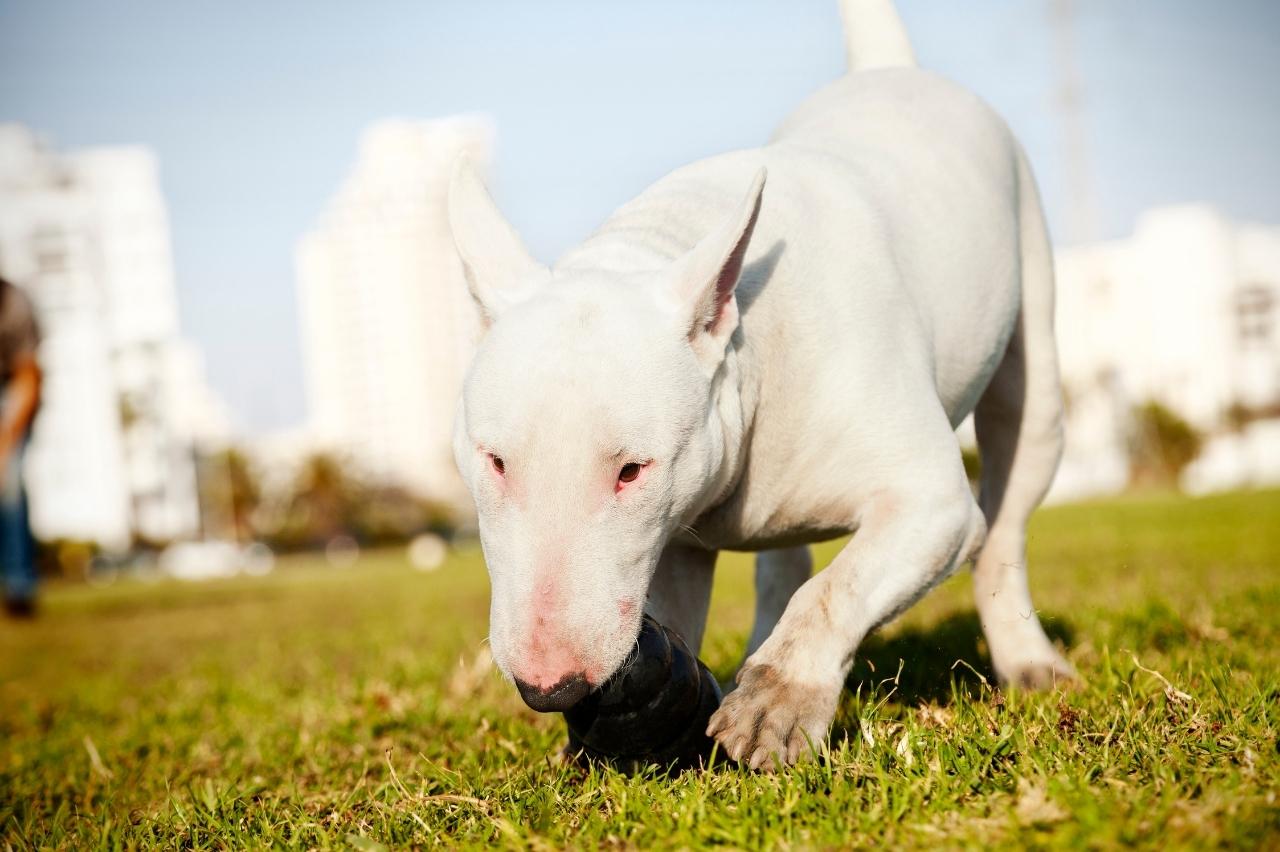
(654, 710)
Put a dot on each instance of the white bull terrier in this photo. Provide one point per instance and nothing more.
(721, 366)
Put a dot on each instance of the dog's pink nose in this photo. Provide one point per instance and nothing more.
(558, 698)
(550, 672)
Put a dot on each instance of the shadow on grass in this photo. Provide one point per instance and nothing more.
(932, 658)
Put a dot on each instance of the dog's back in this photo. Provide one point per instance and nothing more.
(887, 156)
(928, 168)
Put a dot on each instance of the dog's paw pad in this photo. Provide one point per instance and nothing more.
(769, 722)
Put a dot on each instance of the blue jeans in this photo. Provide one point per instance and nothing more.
(17, 550)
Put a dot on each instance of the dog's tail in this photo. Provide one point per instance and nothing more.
(874, 35)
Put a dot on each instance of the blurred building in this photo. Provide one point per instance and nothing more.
(1186, 312)
(124, 398)
(387, 325)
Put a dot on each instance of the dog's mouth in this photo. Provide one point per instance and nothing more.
(557, 699)
(638, 669)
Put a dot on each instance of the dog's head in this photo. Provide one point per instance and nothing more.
(588, 429)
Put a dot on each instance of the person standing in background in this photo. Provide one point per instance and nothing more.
(19, 399)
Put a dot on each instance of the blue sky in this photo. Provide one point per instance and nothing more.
(255, 109)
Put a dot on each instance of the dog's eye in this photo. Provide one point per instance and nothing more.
(629, 472)
(498, 464)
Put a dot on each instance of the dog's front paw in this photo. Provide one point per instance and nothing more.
(1042, 674)
(769, 721)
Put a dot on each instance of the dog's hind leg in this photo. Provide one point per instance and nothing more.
(778, 574)
(1019, 427)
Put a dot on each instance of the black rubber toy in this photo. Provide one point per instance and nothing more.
(653, 711)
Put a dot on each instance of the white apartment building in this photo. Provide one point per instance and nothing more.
(112, 453)
(387, 324)
(1185, 312)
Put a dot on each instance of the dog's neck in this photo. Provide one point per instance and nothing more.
(729, 419)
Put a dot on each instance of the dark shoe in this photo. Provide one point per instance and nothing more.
(20, 607)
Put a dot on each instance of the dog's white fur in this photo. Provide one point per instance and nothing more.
(787, 365)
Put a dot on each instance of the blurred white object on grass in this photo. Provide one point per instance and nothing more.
(257, 560)
(427, 552)
(211, 560)
(201, 560)
(342, 551)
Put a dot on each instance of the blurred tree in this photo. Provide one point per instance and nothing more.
(1162, 445)
(230, 493)
(328, 498)
(1239, 415)
(393, 514)
(66, 558)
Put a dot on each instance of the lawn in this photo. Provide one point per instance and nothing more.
(355, 708)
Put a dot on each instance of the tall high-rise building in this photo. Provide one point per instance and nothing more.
(112, 451)
(387, 324)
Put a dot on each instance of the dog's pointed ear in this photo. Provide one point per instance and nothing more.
(499, 269)
(707, 276)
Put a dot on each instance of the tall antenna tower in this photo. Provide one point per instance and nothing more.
(1081, 210)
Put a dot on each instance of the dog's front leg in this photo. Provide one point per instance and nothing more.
(788, 690)
(680, 591)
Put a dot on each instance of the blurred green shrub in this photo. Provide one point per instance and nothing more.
(1162, 444)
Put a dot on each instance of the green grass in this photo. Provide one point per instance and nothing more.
(353, 708)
